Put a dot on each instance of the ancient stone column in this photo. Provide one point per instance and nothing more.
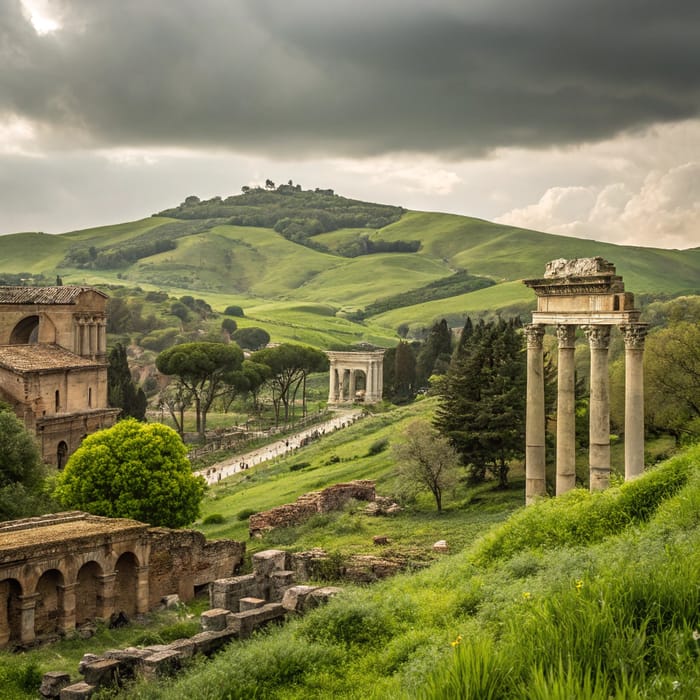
(566, 410)
(599, 420)
(84, 337)
(534, 422)
(27, 607)
(66, 621)
(634, 335)
(105, 595)
(142, 589)
(333, 381)
(102, 336)
(352, 389)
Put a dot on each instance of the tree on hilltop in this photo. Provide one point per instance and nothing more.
(133, 470)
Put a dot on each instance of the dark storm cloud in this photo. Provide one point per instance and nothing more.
(351, 76)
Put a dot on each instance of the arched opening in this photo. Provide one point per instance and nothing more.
(87, 592)
(26, 331)
(360, 386)
(10, 612)
(125, 584)
(61, 455)
(49, 604)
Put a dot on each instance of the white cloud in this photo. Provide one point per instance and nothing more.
(41, 16)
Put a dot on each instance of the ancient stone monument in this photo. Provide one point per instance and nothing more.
(53, 369)
(356, 376)
(62, 570)
(583, 292)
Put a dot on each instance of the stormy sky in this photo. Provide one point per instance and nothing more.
(579, 118)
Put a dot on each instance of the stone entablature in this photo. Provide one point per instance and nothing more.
(330, 499)
(349, 370)
(59, 571)
(584, 293)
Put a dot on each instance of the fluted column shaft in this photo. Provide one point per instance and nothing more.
(634, 335)
(535, 484)
(599, 418)
(566, 410)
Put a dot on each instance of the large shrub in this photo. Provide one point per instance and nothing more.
(133, 470)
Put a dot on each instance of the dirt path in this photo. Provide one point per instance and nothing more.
(219, 471)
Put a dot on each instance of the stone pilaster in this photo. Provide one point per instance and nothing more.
(566, 410)
(66, 620)
(535, 484)
(599, 425)
(142, 589)
(105, 596)
(634, 335)
(27, 607)
(352, 389)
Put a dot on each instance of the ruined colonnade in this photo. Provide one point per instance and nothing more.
(584, 293)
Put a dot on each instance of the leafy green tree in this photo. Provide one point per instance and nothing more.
(228, 325)
(672, 377)
(22, 472)
(482, 400)
(121, 390)
(290, 366)
(251, 338)
(234, 310)
(133, 470)
(204, 369)
(426, 460)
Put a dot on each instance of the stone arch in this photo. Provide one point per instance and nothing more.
(61, 454)
(26, 331)
(49, 603)
(10, 611)
(88, 592)
(126, 584)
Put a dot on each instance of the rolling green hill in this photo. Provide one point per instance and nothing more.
(318, 269)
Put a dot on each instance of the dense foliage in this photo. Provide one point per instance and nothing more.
(482, 400)
(21, 469)
(204, 369)
(294, 213)
(122, 392)
(132, 470)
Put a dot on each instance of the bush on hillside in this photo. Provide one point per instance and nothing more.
(579, 517)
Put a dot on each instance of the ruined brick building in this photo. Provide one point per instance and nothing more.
(53, 370)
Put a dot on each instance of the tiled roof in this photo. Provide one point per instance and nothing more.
(32, 358)
(43, 295)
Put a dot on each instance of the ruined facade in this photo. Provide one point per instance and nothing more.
(62, 570)
(585, 293)
(53, 370)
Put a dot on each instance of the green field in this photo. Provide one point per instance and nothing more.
(304, 294)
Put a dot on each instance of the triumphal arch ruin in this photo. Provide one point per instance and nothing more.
(584, 293)
(356, 376)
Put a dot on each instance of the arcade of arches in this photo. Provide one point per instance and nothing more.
(60, 571)
(356, 377)
(585, 293)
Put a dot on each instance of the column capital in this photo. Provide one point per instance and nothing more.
(634, 335)
(566, 335)
(598, 336)
(534, 332)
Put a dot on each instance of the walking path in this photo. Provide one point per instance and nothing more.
(219, 471)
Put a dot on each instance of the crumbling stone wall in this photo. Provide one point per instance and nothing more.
(330, 499)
